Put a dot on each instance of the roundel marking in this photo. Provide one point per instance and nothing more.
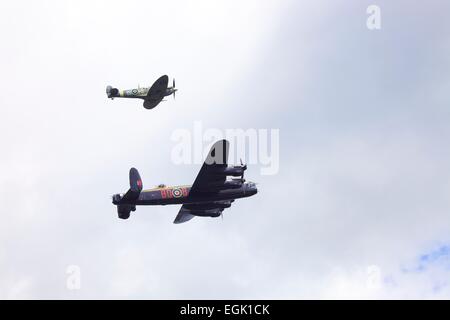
(177, 193)
(134, 91)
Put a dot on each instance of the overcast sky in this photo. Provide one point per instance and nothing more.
(360, 207)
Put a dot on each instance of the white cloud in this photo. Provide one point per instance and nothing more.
(363, 179)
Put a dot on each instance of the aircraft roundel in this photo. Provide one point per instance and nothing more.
(177, 193)
(134, 91)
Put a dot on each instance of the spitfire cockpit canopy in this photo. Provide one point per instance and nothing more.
(161, 185)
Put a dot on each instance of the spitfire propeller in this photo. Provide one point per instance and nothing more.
(173, 86)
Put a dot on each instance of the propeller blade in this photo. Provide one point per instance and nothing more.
(242, 165)
(173, 82)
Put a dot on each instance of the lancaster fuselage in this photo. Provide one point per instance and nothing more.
(181, 195)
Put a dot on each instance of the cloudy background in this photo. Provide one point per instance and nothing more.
(360, 207)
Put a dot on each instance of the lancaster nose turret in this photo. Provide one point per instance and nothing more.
(251, 189)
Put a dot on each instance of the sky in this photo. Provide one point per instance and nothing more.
(359, 208)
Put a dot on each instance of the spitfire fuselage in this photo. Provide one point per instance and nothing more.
(140, 93)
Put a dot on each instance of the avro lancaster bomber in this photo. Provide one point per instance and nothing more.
(209, 195)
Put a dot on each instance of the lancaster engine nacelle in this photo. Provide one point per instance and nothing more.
(234, 183)
(235, 171)
(229, 184)
(209, 206)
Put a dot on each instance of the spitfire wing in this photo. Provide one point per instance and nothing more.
(204, 209)
(150, 104)
(212, 170)
(158, 89)
(156, 92)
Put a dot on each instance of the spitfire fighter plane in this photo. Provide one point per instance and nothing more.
(152, 96)
(210, 194)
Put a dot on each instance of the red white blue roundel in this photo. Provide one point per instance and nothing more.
(177, 193)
